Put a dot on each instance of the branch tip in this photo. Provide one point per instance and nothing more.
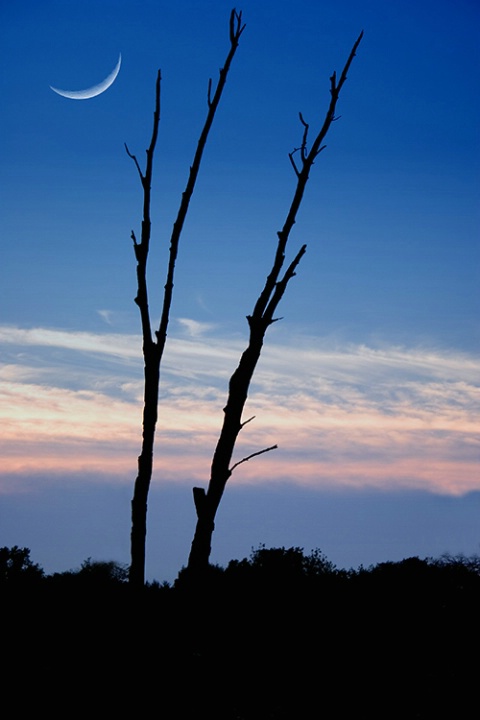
(302, 120)
(236, 27)
(199, 498)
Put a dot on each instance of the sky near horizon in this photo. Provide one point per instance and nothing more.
(369, 384)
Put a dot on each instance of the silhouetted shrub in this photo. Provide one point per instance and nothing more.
(464, 565)
(17, 567)
(281, 569)
(283, 633)
(101, 571)
(93, 575)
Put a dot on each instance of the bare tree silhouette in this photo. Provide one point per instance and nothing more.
(206, 503)
(154, 343)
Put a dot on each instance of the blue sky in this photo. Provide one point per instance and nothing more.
(369, 385)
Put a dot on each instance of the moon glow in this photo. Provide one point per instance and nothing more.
(95, 89)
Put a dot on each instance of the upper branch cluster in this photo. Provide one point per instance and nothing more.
(308, 157)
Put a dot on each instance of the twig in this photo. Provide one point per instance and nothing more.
(242, 425)
(249, 457)
(134, 158)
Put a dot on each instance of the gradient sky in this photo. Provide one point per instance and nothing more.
(369, 384)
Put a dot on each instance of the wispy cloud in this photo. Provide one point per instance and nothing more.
(385, 417)
(195, 328)
(111, 344)
(106, 315)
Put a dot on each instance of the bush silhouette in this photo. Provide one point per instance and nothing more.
(17, 567)
(93, 575)
(283, 633)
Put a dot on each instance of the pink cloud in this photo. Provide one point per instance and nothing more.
(357, 417)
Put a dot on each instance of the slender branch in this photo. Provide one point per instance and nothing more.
(304, 139)
(245, 422)
(249, 457)
(236, 30)
(281, 286)
(334, 92)
(134, 158)
(302, 179)
(141, 248)
(294, 164)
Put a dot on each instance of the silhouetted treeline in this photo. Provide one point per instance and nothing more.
(282, 634)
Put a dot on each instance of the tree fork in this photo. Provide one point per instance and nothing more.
(153, 346)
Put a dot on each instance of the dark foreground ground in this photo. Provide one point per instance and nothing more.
(278, 636)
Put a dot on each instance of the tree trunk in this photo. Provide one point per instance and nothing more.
(153, 348)
(145, 467)
(206, 503)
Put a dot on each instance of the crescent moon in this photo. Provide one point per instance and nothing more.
(95, 89)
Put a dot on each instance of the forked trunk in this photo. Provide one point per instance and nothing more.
(206, 503)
